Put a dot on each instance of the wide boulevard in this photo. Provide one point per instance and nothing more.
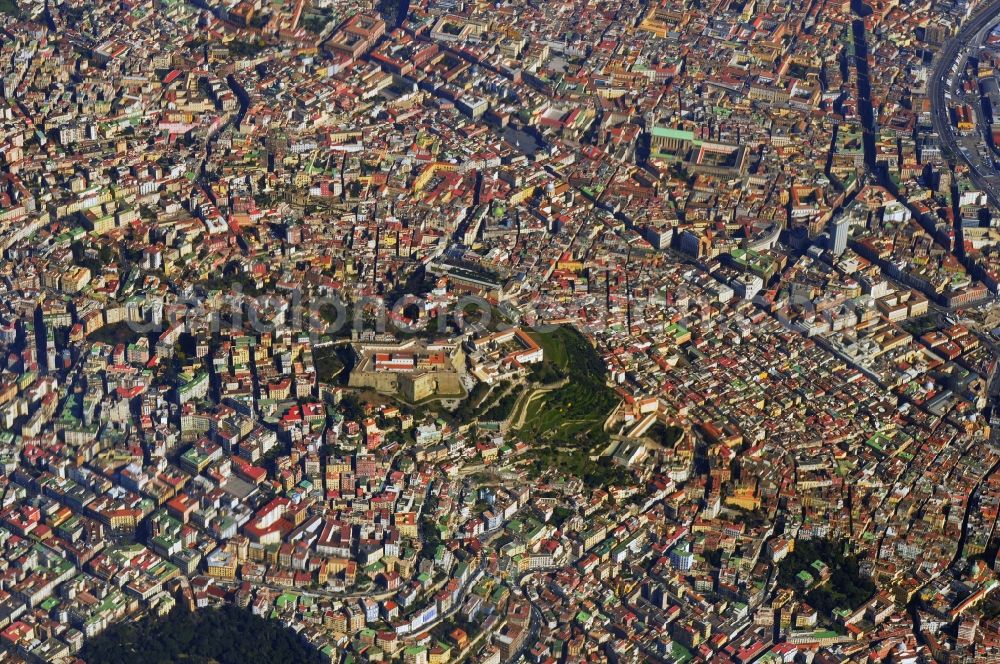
(946, 80)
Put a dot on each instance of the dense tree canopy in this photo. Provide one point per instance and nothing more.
(846, 588)
(227, 635)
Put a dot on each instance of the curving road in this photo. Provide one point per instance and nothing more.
(958, 49)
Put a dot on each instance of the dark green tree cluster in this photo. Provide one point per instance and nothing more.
(245, 49)
(352, 407)
(328, 363)
(585, 396)
(227, 635)
(105, 254)
(546, 373)
(11, 8)
(314, 24)
(115, 333)
(596, 474)
(846, 588)
(569, 424)
(393, 11)
(664, 435)
(503, 407)
(231, 275)
(467, 410)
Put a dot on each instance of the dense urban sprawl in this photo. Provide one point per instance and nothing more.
(453, 330)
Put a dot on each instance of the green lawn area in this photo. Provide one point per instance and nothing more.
(567, 422)
(681, 654)
(554, 346)
(535, 407)
(584, 401)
